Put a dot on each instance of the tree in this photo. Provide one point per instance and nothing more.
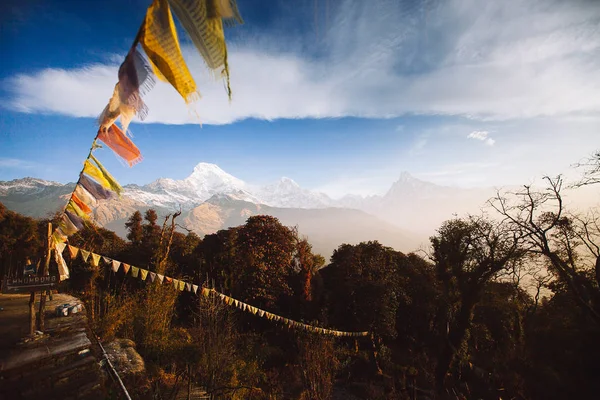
(569, 243)
(468, 253)
(134, 228)
(265, 249)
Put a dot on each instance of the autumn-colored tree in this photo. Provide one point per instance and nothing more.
(265, 251)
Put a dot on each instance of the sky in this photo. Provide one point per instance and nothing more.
(339, 95)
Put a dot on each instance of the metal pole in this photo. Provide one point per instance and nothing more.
(112, 368)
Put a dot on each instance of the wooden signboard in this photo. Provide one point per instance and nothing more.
(29, 284)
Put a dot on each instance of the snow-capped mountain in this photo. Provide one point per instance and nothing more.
(287, 193)
(208, 180)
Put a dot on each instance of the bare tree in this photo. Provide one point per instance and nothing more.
(567, 242)
(591, 170)
(318, 364)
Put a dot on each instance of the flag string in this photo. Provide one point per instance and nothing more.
(182, 285)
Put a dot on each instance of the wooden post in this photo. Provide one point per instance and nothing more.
(189, 381)
(45, 272)
(32, 313)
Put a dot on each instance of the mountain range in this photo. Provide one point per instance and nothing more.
(211, 199)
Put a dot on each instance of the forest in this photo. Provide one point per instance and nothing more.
(503, 304)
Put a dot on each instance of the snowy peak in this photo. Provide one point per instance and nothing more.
(287, 193)
(27, 186)
(208, 179)
(210, 175)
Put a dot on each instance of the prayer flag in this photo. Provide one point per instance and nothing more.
(114, 138)
(134, 271)
(84, 254)
(63, 270)
(202, 21)
(95, 259)
(74, 208)
(144, 274)
(85, 196)
(100, 174)
(73, 251)
(160, 42)
(70, 223)
(95, 189)
(115, 265)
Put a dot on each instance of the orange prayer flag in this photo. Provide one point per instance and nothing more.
(84, 207)
(114, 138)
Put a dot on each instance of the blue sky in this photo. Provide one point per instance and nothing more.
(340, 95)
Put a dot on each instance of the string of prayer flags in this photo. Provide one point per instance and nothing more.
(202, 21)
(159, 41)
(182, 285)
(114, 138)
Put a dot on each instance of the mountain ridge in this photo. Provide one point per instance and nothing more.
(211, 199)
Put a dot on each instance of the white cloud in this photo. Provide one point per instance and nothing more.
(483, 136)
(499, 60)
(479, 135)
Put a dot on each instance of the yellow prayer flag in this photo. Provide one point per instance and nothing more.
(84, 254)
(74, 208)
(101, 175)
(95, 259)
(202, 21)
(160, 42)
(144, 274)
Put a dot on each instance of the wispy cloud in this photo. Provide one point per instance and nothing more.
(483, 136)
(489, 61)
(15, 163)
